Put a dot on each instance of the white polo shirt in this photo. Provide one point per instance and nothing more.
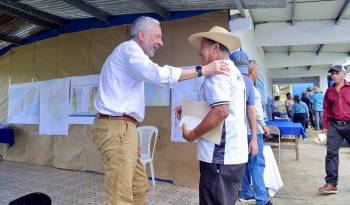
(222, 89)
(121, 87)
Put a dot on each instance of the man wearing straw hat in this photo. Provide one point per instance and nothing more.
(120, 103)
(221, 166)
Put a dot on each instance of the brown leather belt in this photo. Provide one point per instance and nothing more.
(124, 117)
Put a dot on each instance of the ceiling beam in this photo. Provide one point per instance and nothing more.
(342, 11)
(26, 17)
(10, 39)
(93, 11)
(239, 7)
(162, 12)
(302, 33)
(294, 2)
(300, 59)
(34, 12)
(289, 50)
(256, 4)
(319, 49)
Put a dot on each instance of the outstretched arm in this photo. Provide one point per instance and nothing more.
(215, 67)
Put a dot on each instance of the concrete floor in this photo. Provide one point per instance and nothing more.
(302, 178)
(301, 181)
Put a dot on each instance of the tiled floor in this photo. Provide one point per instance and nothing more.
(76, 188)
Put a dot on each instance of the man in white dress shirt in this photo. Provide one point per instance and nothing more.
(120, 103)
(221, 165)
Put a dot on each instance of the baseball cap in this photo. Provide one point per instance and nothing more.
(240, 59)
(337, 68)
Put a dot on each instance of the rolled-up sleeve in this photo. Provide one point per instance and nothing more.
(141, 67)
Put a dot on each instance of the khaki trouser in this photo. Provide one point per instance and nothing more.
(126, 181)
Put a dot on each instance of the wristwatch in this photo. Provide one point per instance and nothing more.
(199, 70)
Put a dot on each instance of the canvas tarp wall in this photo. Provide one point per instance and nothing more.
(83, 53)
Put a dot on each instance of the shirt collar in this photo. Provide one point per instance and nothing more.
(346, 83)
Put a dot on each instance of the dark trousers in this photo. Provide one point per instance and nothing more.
(335, 136)
(312, 118)
(301, 118)
(276, 114)
(219, 184)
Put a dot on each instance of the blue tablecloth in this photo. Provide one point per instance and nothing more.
(7, 136)
(288, 128)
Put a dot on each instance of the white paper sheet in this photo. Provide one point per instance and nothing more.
(82, 97)
(24, 103)
(54, 107)
(186, 89)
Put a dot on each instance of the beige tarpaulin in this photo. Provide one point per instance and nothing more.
(73, 54)
(22, 65)
(46, 58)
(83, 53)
(102, 42)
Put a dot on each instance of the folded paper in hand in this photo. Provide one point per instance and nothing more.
(193, 112)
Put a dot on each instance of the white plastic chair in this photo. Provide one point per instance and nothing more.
(147, 135)
(274, 130)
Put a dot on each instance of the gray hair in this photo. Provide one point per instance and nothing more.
(250, 68)
(142, 23)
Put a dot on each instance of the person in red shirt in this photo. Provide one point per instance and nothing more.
(336, 118)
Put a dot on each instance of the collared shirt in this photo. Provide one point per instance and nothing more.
(300, 107)
(249, 85)
(222, 89)
(250, 94)
(317, 101)
(121, 87)
(336, 104)
(259, 114)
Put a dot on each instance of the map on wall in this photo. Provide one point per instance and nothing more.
(24, 103)
(54, 107)
(156, 95)
(82, 97)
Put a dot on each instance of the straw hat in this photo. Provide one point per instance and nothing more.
(217, 34)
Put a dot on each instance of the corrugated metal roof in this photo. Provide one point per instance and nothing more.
(52, 14)
(14, 26)
(56, 7)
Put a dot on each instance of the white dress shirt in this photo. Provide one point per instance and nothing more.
(121, 87)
